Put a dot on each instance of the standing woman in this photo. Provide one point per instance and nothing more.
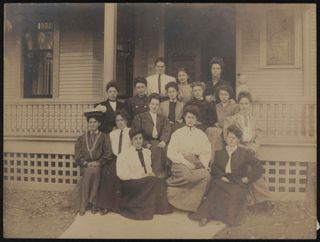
(110, 106)
(259, 195)
(185, 89)
(118, 140)
(91, 153)
(211, 91)
(226, 198)
(189, 151)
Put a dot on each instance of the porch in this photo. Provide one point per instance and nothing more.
(39, 133)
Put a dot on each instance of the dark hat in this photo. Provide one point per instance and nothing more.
(94, 113)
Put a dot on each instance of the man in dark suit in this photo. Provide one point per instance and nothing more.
(156, 129)
(109, 107)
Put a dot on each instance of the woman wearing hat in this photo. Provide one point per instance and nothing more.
(91, 153)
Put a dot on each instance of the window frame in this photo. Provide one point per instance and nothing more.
(55, 65)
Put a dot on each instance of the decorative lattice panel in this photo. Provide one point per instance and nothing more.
(282, 178)
(40, 168)
(286, 177)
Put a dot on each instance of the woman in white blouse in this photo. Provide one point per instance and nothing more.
(109, 188)
(189, 150)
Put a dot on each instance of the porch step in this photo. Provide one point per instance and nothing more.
(114, 226)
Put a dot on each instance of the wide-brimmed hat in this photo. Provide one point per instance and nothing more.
(94, 113)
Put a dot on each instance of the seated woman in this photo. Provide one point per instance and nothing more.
(142, 193)
(225, 108)
(259, 195)
(189, 151)
(118, 141)
(157, 131)
(91, 153)
(172, 108)
(226, 197)
(208, 114)
(185, 90)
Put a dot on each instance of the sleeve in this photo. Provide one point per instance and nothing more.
(207, 91)
(122, 167)
(107, 155)
(256, 172)
(78, 155)
(255, 145)
(205, 155)
(129, 107)
(173, 152)
(166, 131)
(217, 172)
(214, 112)
(227, 122)
(136, 123)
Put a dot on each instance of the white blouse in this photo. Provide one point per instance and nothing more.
(129, 166)
(115, 136)
(188, 140)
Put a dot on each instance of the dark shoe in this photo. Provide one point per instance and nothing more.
(203, 222)
(94, 210)
(104, 211)
(81, 213)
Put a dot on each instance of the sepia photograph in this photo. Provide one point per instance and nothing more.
(160, 120)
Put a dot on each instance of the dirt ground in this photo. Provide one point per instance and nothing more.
(43, 214)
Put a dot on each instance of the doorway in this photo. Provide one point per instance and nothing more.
(194, 33)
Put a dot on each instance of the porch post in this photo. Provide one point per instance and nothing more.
(161, 31)
(110, 43)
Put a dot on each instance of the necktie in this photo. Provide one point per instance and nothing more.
(172, 109)
(159, 83)
(142, 160)
(120, 142)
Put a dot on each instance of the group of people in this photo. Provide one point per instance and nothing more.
(189, 146)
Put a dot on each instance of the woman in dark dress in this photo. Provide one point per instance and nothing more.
(212, 86)
(208, 114)
(226, 197)
(91, 153)
(118, 141)
(109, 107)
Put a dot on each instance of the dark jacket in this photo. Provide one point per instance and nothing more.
(208, 113)
(137, 105)
(211, 89)
(144, 121)
(109, 122)
(241, 160)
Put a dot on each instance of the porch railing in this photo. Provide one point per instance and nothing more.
(287, 119)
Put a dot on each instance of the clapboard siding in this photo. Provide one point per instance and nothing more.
(313, 50)
(12, 65)
(81, 62)
(264, 83)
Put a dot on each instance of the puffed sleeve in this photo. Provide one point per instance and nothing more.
(173, 152)
(256, 167)
(255, 144)
(205, 146)
(122, 167)
(78, 155)
(217, 171)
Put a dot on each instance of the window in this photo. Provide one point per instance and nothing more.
(38, 41)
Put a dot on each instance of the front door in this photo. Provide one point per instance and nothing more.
(197, 32)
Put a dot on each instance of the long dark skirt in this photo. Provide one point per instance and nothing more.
(224, 201)
(142, 198)
(109, 189)
(86, 190)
